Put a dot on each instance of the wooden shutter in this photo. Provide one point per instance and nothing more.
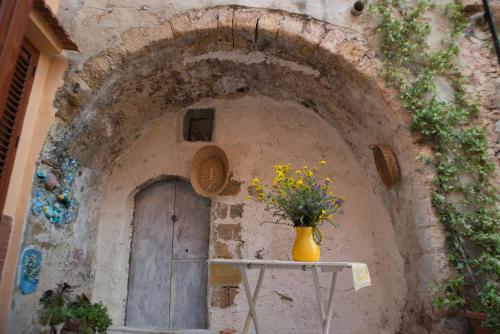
(15, 98)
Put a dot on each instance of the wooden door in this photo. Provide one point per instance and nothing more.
(168, 269)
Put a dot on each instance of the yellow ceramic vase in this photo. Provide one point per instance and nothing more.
(305, 248)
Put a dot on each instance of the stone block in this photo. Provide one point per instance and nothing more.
(223, 275)
(269, 25)
(199, 27)
(225, 28)
(220, 211)
(369, 66)
(236, 211)
(78, 94)
(138, 38)
(97, 69)
(313, 32)
(229, 231)
(353, 49)
(332, 40)
(245, 27)
(221, 251)
(223, 297)
(290, 28)
(192, 22)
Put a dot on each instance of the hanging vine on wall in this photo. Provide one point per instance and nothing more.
(464, 196)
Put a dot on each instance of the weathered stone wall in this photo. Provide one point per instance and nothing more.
(256, 133)
(126, 79)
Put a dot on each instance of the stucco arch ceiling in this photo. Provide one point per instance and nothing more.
(225, 51)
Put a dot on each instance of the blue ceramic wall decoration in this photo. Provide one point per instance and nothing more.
(54, 198)
(29, 271)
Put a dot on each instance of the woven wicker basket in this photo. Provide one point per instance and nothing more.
(209, 171)
(387, 165)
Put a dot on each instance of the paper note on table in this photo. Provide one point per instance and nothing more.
(360, 275)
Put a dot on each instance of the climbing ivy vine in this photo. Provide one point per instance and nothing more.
(464, 195)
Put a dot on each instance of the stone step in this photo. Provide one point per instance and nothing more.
(132, 330)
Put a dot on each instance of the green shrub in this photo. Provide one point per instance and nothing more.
(60, 307)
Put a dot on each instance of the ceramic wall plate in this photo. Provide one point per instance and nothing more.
(29, 270)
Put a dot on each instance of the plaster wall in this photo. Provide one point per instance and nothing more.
(257, 132)
(39, 117)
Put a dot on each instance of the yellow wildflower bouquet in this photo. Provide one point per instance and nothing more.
(300, 197)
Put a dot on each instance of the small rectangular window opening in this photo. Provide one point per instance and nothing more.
(199, 124)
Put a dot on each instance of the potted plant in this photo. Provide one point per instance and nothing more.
(303, 199)
(483, 311)
(76, 314)
(475, 296)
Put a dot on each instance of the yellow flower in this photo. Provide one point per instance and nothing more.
(298, 172)
(328, 180)
(322, 162)
(305, 167)
(255, 181)
(299, 182)
(249, 197)
(309, 173)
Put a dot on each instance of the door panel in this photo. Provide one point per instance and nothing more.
(168, 269)
(189, 294)
(151, 257)
(192, 226)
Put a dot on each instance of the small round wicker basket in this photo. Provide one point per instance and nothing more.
(387, 164)
(209, 171)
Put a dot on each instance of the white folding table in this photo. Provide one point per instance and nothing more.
(243, 265)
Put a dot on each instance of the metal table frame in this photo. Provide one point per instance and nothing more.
(243, 265)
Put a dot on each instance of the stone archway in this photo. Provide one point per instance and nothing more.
(232, 51)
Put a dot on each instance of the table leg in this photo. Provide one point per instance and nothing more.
(326, 327)
(255, 296)
(251, 301)
(318, 293)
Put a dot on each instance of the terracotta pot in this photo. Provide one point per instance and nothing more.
(72, 326)
(51, 182)
(475, 319)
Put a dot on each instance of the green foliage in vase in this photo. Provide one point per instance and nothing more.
(301, 197)
(464, 196)
(60, 307)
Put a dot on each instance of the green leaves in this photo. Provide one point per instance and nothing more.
(59, 307)
(490, 299)
(464, 196)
